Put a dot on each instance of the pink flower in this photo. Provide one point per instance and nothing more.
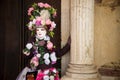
(34, 61)
(38, 23)
(49, 45)
(53, 25)
(40, 76)
(30, 10)
(55, 14)
(47, 5)
(57, 78)
(53, 62)
(40, 4)
(38, 18)
(48, 22)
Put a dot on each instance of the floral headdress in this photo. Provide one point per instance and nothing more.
(41, 15)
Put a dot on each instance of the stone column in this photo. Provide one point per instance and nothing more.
(81, 65)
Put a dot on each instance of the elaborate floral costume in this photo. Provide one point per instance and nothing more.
(40, 51)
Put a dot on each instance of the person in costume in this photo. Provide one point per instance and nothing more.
(40, 51)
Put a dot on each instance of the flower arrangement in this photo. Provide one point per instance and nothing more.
(41, 14)
(49, 74)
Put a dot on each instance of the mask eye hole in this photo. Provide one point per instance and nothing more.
(42, 29)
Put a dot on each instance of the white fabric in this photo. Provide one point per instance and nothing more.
(22, 74)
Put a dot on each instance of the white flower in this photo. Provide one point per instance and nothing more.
(43, 22)
(47, 61)
(38, 55)
(46, 77)
(54, 70)
(46, 71)
(53, 56)
(51, 77)
(46, 56)
(47, 38)
(53, 24)
(34, 21)
(29, 46)
(30, 24)
(45, 14)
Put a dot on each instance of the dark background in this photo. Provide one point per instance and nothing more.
(14, 34)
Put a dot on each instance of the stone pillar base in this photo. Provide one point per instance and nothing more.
(81, 72)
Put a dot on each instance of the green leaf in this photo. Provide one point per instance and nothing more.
(31, 17)
(51, 33)
(34, 5)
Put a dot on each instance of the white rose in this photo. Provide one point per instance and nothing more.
(43, 22)
(53, 56)
(51, 77)
(38, 55)
(46, 56)
(46, 71)
(30, 24)
(47, 61)
(46, 77)
(45, 14)
(29, 46)
(34, 21)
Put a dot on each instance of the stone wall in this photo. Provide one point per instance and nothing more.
(107, 32)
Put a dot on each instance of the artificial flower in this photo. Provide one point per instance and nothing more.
(48, 22)
(46, 71)
(38, 23)
(29, 46)
(47, 5)
(44, 14)
(30, 10)
(38, 55)
(51, 77)
(49, 45)
(34, 21)
(35, 61)
(47, 61)
(30, 25)
(40, 76)
(46, 77)
(46, 56)
(53, 57)
(40, 4)
(27, 53)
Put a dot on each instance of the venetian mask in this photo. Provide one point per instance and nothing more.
(41, 33)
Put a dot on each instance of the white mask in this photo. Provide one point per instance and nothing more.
(41, 33)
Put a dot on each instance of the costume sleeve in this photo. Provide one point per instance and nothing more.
(63, 51)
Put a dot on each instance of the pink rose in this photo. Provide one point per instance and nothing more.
(30, 10)
(47, 5)
(38, 23)
(48, 21)
(49, 45)
(40, 4)
(53, 25)
(35, 61)
(40, 76)
(38, 18)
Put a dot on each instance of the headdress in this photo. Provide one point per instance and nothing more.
(41, 15)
